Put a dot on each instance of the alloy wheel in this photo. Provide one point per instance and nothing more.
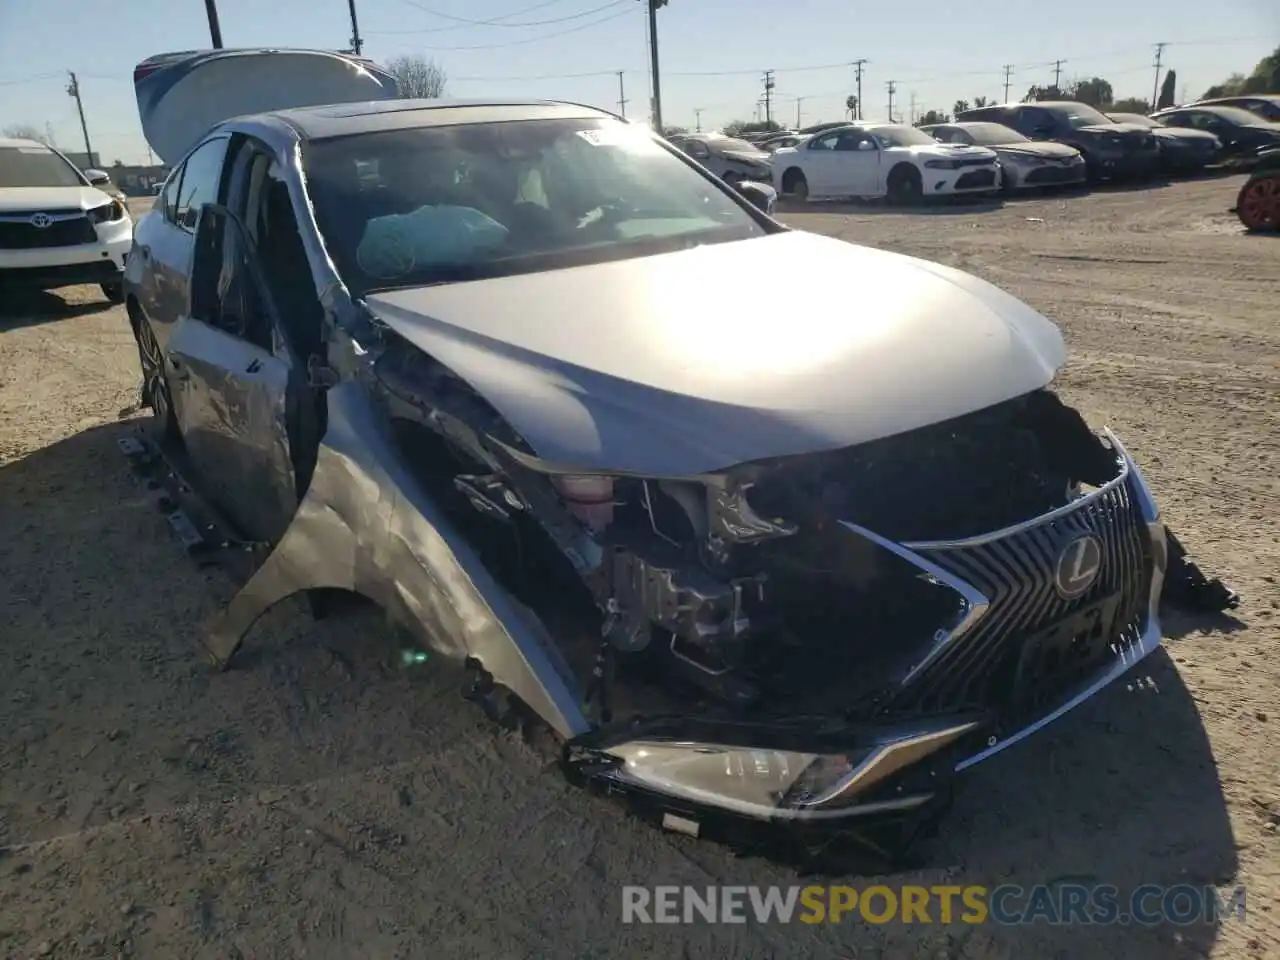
(1259, 206)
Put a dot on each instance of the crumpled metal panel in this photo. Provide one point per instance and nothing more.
(366, 525)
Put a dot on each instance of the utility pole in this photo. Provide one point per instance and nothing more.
(653, 62)
(356, 43)
(799, 100)
(1008, 72)
(768, 96)
(215, 31)
(697, 119)
(892, 85)
(73, 90)
(913, 107)
(622, 96)
(857, 73)
(1155, 89)
(1057, 73)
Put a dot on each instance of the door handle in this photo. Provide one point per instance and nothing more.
(254, 366)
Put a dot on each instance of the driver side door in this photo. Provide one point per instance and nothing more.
(857, 164)
(238, 383)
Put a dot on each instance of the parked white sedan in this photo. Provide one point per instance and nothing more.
(882, 160)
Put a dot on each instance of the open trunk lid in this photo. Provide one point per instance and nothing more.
(181, 95)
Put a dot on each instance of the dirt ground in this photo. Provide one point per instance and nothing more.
(321, 801)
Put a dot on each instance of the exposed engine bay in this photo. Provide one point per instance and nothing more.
(749, 591)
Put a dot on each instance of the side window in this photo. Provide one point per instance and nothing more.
(697, 149)
(201, 175)
(224, 291)
(168, 201)
(826, 141)
(1034, 122)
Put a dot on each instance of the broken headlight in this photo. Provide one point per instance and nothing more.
(107, 213)
(782, 783)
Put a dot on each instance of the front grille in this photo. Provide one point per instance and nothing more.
(973, 162)
(1057, 174)
(18, 233)
(1015, 572)
(976, 178)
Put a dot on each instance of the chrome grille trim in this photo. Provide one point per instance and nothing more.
(1005, 581)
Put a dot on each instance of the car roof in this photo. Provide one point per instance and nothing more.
(342, 119)
(1215, 108)
(1273, 97)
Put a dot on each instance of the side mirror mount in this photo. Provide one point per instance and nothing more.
(97, 178)
(761, 196)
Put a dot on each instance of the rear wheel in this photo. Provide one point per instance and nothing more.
(795, 185)
(1258, 205)
(905, 186)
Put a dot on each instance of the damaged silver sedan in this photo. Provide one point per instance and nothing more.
(478, 363)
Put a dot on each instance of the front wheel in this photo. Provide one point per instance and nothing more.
(795, 185)
(155, 388)
(905, 186)
(1258, 205)
(113, 290)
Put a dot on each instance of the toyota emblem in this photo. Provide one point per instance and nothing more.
(1078, 566)
(41, 221)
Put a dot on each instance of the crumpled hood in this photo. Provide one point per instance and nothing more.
(640, 366)
(1182, 133)
(742, 156)
(950, 151)
(51, 198)
(1114, 128)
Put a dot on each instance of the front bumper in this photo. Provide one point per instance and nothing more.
(1134, 163)
(754, 174)
(48, 267)
(975, 179)
(1052, 174)
(830, 772)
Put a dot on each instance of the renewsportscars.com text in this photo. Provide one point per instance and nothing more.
(1149, 904)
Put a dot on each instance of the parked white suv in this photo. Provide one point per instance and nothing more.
(57, 228)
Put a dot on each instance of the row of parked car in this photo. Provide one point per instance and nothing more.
(1005, 147)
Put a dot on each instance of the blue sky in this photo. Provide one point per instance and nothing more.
(713, 51)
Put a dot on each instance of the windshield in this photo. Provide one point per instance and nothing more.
(732, 144)
(992, 134)
(1137, 118)
(1082, 115)
(1238, 115)
(442, 204)
(36, 166)
(900, 136)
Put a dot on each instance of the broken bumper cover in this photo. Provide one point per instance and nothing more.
(792, 773)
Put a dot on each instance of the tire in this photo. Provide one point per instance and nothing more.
(1258, 204)
(155, 387)
(113, 291)
(905, 188)
(795, 185)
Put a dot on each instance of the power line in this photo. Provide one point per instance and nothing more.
(542, 76)
(496, 22)
(545, 36)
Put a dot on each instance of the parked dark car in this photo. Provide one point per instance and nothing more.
(1111, 150)
(1243, 134)
(1258, 205)
(1182, 149)
(1265, 105)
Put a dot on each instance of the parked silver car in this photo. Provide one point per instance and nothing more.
(782, 569)
(729, 158)
(1024, 163)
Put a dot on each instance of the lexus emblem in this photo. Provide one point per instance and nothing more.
(41, 220)
(1078, 566)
